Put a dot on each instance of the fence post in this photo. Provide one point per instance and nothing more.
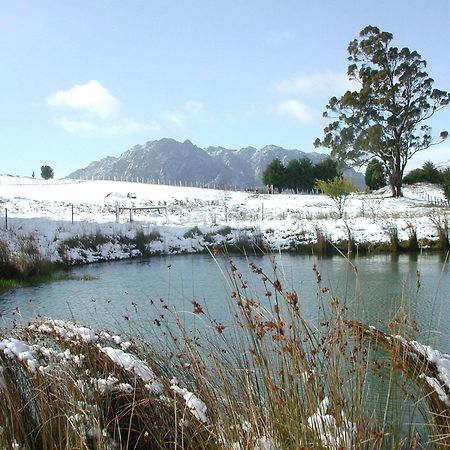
(6, 218)
(72, 213)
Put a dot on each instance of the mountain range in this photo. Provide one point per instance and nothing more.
(168, 160)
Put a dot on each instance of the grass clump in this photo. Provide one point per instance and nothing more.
(440, 223)
(23, 262)
(142, 240)
(193, 232)
(249, 241)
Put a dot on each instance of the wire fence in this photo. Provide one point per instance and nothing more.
(435, 201)
(202, 185)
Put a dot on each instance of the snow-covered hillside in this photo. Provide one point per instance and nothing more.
(43, 209)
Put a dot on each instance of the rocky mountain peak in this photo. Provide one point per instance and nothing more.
(168, 160)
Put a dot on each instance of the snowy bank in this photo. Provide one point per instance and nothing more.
(73, 221)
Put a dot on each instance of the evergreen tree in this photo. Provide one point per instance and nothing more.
(375, 176)
(46, 172)
(428, 173)
(431, 173)
(275, 175)
(293, 175)
(446, 182)
(325, 170)
(306, 175)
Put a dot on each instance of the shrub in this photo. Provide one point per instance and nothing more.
(428, 173)
(338, 190)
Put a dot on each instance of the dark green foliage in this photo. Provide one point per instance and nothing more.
(46, 172)
(446, 182)
(326, 170)
(275, 175)
(428, 173)
(293, 175)
(306, 175)
(375, 176)
(299, 175)
(386, 117)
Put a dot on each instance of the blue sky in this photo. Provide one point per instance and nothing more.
(84, 79)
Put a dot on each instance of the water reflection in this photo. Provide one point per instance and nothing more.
(374, 288)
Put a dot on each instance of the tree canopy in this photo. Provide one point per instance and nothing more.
(298, 174)
(428, 173)
(275, 175)
(375, 176)
(386, 117)
(46, 172)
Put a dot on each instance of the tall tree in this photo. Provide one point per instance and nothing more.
(275, 175)
(385, 118)
(293, 174)
(375, 177)
(306, 174)
(46, 172)
(326, 169)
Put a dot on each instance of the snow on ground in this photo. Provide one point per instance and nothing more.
(43, 209)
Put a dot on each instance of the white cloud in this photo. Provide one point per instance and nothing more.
(90, 128)
(299, 111)
(91, 97)
(319, 83)
(190, 110)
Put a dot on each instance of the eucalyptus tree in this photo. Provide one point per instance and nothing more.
(386, 117)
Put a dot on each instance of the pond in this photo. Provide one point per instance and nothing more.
(118, 295)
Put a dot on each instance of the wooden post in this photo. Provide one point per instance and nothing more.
(117, 212)
(6, 218)
(72, 213)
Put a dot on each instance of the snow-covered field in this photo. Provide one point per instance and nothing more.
(43, 210)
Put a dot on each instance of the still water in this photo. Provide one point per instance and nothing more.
(115, 295)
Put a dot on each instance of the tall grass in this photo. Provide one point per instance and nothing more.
(268, 379)
(24, 262)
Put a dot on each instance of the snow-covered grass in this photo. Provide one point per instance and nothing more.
(270, 382)
(192, 219)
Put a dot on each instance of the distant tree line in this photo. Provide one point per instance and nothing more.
(299, 174)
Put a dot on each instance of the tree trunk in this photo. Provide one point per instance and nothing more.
(396, 178)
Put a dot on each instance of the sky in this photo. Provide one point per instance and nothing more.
(86, 79)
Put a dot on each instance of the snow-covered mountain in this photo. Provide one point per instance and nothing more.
(168, 160)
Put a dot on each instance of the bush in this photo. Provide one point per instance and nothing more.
(337, 189)
(428, 173)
